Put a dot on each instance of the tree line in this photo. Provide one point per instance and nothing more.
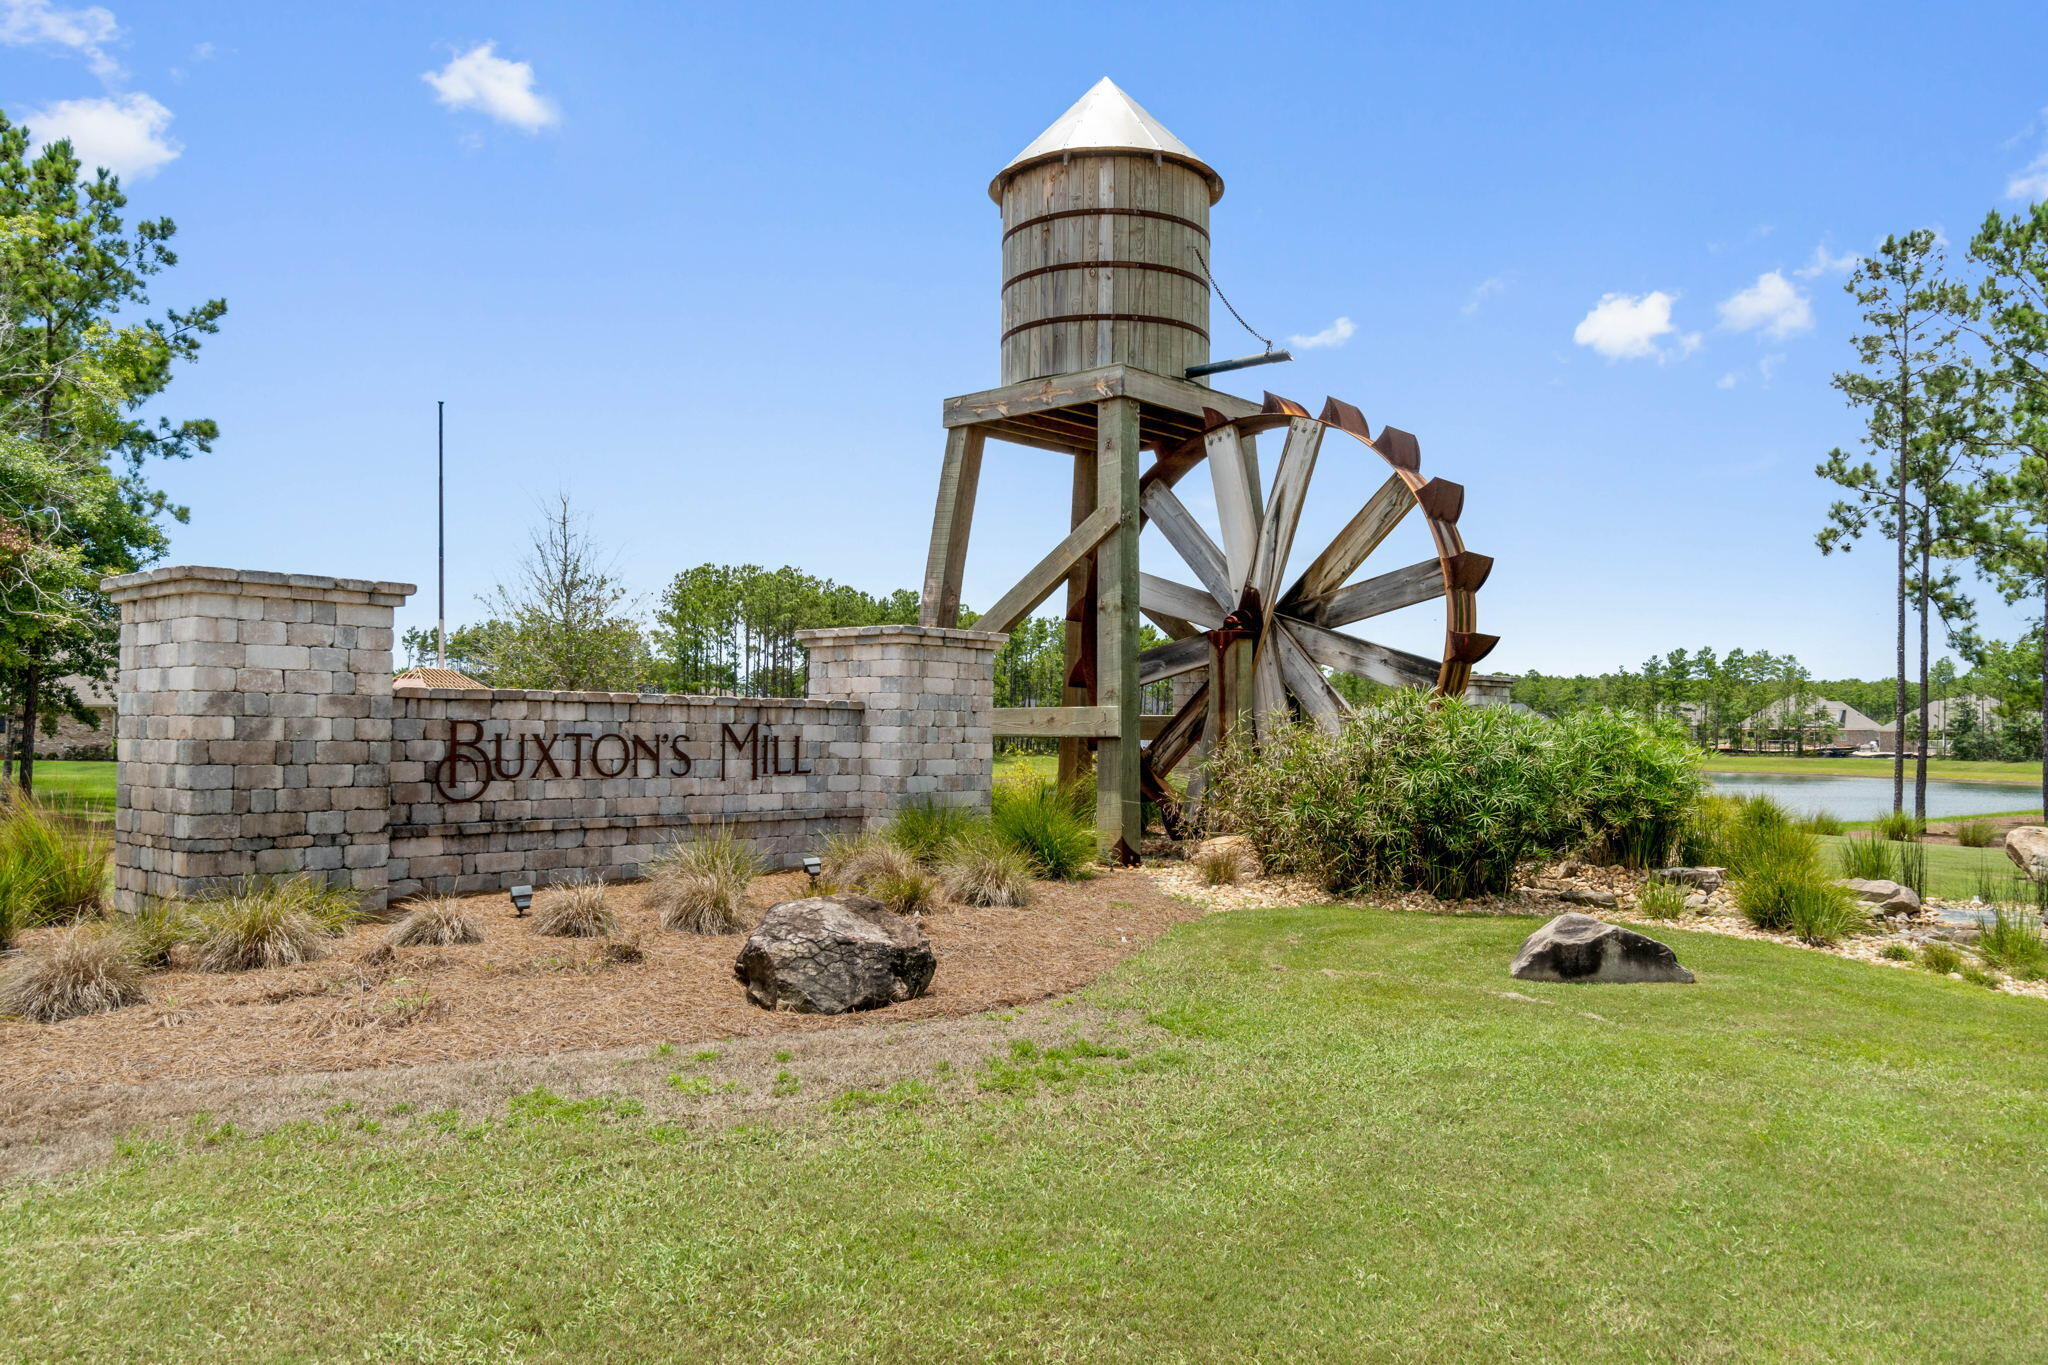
(565, 620)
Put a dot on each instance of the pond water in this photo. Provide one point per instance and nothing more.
(1868, 798)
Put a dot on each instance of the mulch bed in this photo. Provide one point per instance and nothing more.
(516, 994)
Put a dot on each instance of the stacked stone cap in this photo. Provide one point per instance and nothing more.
(912, 635)
(190, 578)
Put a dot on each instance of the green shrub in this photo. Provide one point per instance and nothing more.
(1820, 912)
(438, 922)
(1660, 900)
(1899, 826)
(83, 970)
(1975, 833)
(52, 868)
(1870, 859)
(268, 923)
(1941, 958)
(1763, 834)
(701, 886)
(577, 910)
(915, 892)
(1046, 825)
(1823, 822)
(1896, 952)
(1979, 976)
(1703, 838)
(925, 829)
(1447, 797)
(980, 869)
(2012, 941)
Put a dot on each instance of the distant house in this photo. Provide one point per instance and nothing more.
(1816, 723)
(1944, 714)
(75, 739)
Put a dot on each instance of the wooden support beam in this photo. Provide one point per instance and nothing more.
(1055, 722)
(1179, 599)
(1394, 667)
(1092, 386)
(1035, 586)
(1172, 659)
(1359, 538)
(1419, 582)
(1119, 805)
(1190, 542)
(1283, 514)
(959, 476)
(1077, 755)
(1179, 732)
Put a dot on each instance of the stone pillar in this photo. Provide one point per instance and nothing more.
(253, 730)
(929, 698)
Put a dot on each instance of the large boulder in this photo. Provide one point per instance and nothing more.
(1575, 947)
(831, 954)
(2027, 846)
(1883, 897)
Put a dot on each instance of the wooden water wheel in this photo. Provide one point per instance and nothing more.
(1265, 641)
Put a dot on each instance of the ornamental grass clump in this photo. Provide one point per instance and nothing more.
(1219, 865)
(1442, 796)
(1899, 826)
(700, 887)
(1975, 833)
(1046, 825)
(153, 931)
(915, 892)
(1870, 859)
(1660, 900)
(980, 869)
(83, 970)
(2011, 941)
(269, 922)
(925, 830)
(855, 862)
(1781, 885)
(439, 923)
(577, 910)
(1943, 959)
(53, 867)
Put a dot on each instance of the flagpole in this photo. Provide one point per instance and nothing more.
(441, 531)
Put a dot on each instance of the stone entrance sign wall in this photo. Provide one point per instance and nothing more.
(259, 734)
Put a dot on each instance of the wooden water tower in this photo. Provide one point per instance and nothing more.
(1105, 271)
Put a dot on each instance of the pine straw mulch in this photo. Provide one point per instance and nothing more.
(516, 994)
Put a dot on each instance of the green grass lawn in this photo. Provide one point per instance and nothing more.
(1949, 769)
(86, 787)
(1357, 1139)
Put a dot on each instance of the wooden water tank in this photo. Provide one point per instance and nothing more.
(1105, 232)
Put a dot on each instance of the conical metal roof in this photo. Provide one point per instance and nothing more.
(1106, 119)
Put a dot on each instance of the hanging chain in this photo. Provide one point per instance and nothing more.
(1265, 341)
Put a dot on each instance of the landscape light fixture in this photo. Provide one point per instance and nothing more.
(812, 867)
(522, 899)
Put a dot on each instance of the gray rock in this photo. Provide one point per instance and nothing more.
(1886, 898)
(2027, 846)
(1579, 895)
(1576, 947)
(1698, 901)
(1707, 879)
(832, 954)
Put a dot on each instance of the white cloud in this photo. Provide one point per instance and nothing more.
(480, 79)
(33, 23)
(202, 52)
(127, 134)
(1727, 381)
(1483, 291)
(2030, 183)
(1768, 367)
(1336, 334)
(1825, 264)
(1626, 327)
(1773, 303)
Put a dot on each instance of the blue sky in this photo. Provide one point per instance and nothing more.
(712, 269)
